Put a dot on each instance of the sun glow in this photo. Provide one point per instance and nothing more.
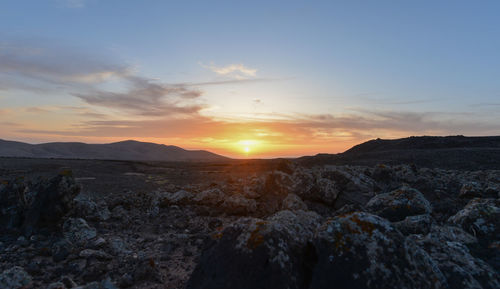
(247, 146)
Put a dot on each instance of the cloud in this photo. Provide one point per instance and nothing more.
(117, 102)
(237, 71)
(146, 97)
(297, 129)
(30, 66)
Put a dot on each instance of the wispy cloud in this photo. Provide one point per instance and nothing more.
(32, 66)
(146, 97)
(236, 71)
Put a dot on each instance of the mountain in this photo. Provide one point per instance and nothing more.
(124, 150)
(448, 152)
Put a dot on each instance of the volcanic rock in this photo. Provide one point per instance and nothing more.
(398, 204)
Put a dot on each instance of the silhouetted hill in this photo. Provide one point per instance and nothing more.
(449, 152)
(124, 150)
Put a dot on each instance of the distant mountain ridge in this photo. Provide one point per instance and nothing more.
(124, 150)
(447, 152)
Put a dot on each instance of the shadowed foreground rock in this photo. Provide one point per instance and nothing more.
(255, 253)
(290, 228)
(41, 205)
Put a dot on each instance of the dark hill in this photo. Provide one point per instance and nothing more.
(125, 150)
(450, 152)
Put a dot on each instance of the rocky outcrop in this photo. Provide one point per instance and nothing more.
(256, 253)
(361, 250)
(447, 246)
(480, 217)
(399, 204)
(29, 207)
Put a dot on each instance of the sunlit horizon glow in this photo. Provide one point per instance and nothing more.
(302, 79)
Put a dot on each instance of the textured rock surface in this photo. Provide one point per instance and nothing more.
(399, 204)
(230, 228)
(419, 224)
(77, 231)
(361, 250)
(293, 202)
(481, 217)
(30, 207)
(14, 278)
(255, 253)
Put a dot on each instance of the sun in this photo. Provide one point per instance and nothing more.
(246, 146)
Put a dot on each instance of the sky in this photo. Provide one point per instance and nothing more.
(248, 79)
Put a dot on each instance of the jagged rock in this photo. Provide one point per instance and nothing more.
(361, 250)
(470, 190)
(447, 247)
(211, 197)
(14, 278)
(398, 204)
(77, 231)
(86, 208)
(42, 205)
(239, 205)
(256, 253)
(180, 197)
(311, 186)
(480, 217)
(419, 224)
(293, 202)
(353, 185)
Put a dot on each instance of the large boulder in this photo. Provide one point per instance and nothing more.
(30, 207)
(448, 246)
(256, 253)
(480, 217)
(310, 185)
(399, 204)
(361, 250)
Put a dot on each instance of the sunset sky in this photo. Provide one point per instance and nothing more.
(248, 78)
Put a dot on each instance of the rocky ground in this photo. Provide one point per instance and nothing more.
(281, 226)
